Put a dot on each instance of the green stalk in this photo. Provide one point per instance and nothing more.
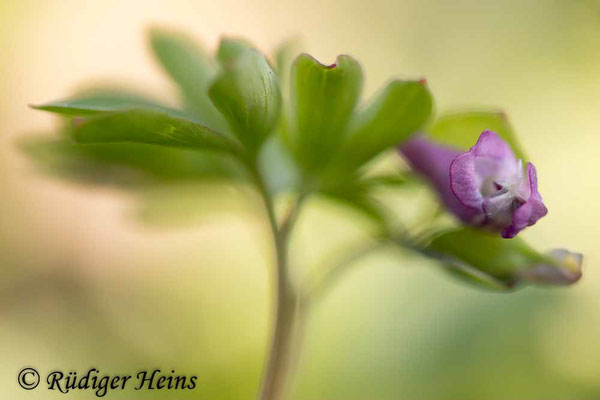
(280, 363)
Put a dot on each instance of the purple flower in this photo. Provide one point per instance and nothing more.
(484, 187)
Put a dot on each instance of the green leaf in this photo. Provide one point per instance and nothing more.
(389, 180)
(364, 205)
(100, 101)
(231, 48)
(487, 259)
(192, 70)
(284, 57)
(461, 130)
(247, 94)
(150, 127)
(356, 194)
(130, 164)
(400, 109)
(322, 100)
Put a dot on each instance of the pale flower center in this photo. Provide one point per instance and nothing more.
(503, 191)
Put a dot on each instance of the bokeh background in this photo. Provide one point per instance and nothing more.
(84, 283)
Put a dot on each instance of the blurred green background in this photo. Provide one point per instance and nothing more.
(83, 283)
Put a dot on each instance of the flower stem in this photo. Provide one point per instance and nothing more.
(280, 361)
(279, 365)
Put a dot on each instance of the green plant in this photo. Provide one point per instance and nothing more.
(299, 131)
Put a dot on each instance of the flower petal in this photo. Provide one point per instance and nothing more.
(490, 144)
(433, 162)
(532, 210)
(463, 181)
(470, 172)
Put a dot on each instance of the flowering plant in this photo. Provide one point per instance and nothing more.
(300, 131)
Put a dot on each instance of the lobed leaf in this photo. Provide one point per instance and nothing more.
(461, 130)
(322, 101)
(99, 101)
(131, 164)
(231, 49)
(400, 109)
(150, 127)
(284, 55)
(247, 94)
(388, 180)
(283, 58)
(193, 71)
(356, 194)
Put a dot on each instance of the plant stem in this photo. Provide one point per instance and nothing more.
(279, 364)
